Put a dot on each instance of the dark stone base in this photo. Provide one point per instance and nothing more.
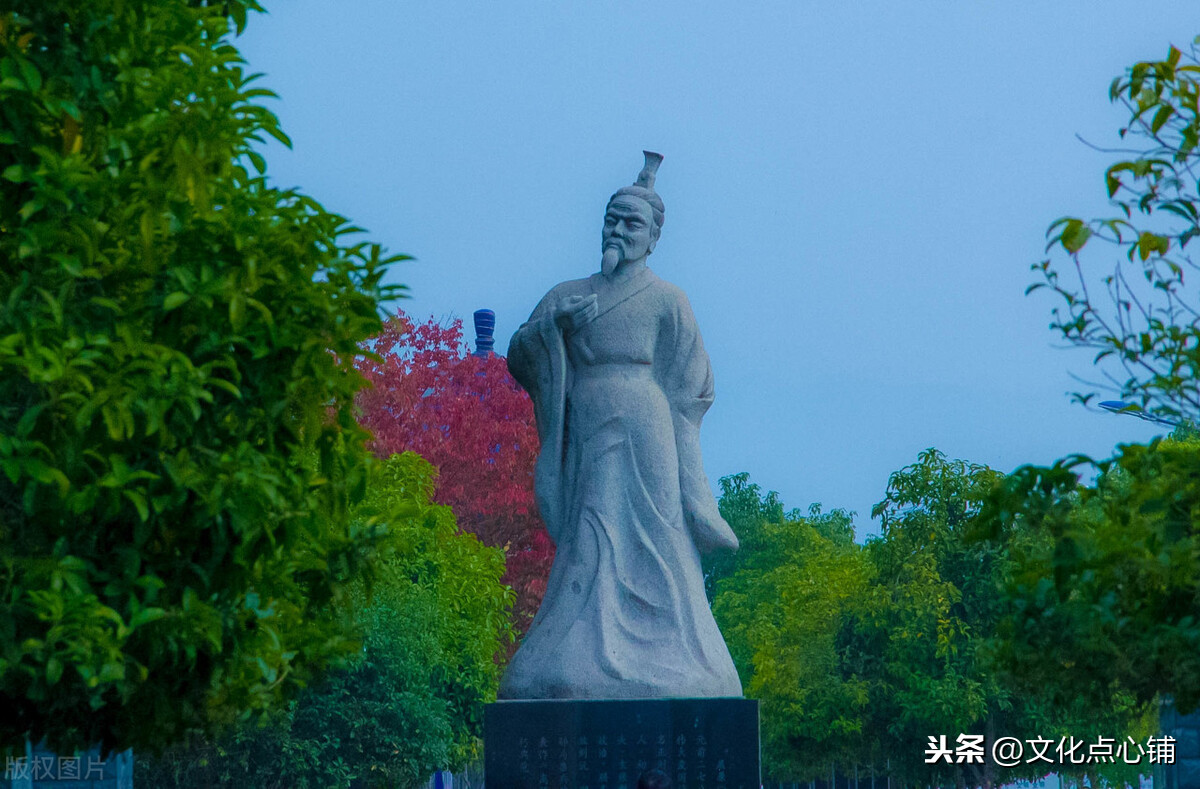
(575, 744)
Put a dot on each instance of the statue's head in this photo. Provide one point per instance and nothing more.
(634, 217)
(629, 227)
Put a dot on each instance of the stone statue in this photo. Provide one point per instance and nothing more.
(620, 382)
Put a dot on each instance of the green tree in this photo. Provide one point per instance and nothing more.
(934, 599)
(435, 621)
(859, 653)
(173, 333)
(926, 642)
(1104, 577)
(1107, 597)
(1141, 319)
(780, 608)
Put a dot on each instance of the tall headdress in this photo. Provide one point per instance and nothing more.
(649, 170)
(643, 187)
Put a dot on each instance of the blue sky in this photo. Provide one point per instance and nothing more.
(854, 195)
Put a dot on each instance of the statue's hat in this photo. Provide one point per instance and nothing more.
(645, 178)
(643, 188)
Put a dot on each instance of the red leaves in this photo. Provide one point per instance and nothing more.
(471, 420)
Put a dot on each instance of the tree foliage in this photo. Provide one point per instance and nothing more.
(860, 652)
(1145, 329)
(434, 623)
(1107, 598)
(930, 645)
(173, 332)
(1104, 573)
(936, 605)
(780, 610)
(468, 417)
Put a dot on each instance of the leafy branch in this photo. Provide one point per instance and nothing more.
(1145, 330)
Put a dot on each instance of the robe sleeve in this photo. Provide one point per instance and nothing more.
(537, 360)
(527, 352)
(688, 384)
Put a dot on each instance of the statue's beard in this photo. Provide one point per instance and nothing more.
(608, 264)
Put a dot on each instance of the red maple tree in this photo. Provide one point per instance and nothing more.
(469, 418)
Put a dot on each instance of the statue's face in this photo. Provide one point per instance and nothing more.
(629, 227)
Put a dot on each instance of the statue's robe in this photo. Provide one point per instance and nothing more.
(622, 490)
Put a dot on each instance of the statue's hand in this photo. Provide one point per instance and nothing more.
(574, 312)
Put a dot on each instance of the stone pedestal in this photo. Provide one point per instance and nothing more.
(577, 744)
